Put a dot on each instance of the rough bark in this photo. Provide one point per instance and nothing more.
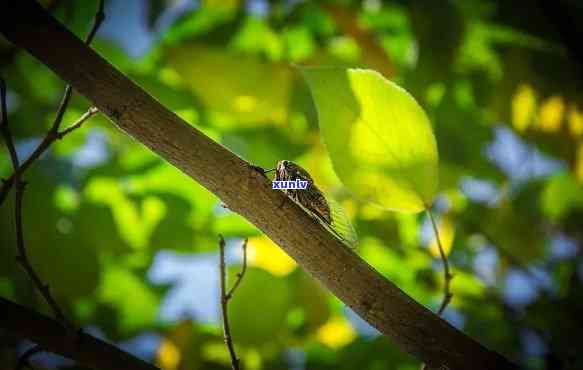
(413, 327)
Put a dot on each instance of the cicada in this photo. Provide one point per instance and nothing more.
(313, 200)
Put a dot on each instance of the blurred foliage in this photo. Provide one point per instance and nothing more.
(129, 244)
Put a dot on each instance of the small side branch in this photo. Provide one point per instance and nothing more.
(41, 149)
(23, 359)
(226, 296)
(4, 126)
(239, 274)
(77, 124)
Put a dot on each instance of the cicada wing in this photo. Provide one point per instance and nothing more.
(341, 224)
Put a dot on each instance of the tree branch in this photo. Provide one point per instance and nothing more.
(6, 134)
(226, 296)
(47, 333)
(22, 256)
(413, 327)
(23, 359)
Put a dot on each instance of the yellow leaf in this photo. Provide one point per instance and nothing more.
(446, 234)
(575, 120)
(551, 114)
(523, 107)
(168, 356)
(336, 333)
(579, 163)
(265, 254)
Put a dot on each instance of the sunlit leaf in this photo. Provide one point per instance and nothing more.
(551, 114)
(222, 4)
(245, 88)
(400, 269)
(257, 36)
(523, 107)
(265, 254)
(371, 211)
(408, 229)
(380, 140)
(134, 224)
(66, 198)
(182, 347)
(561, 193)
(575, 120)
(299, 43)
(446, 229)
(168, 355)
(336, 333)
(456, 199)
(435, 93)
(579, 163)
(465, 284)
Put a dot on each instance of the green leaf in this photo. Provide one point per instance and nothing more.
(132, 299)
(379, 139)
(247, 326)
(239, 90)
(561, 194)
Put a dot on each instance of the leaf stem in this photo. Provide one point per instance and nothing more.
(447, 294)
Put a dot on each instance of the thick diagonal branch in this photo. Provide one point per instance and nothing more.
(89, 351)
(413, 327)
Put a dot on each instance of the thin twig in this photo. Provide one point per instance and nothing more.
(225, 297)
(241, 273)
(41, 149)
(447, 294)
(77, 124)
(53, 133)
(23, 359)
(98, 19)
(16, 180)
(22, 256)
(4, 125)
